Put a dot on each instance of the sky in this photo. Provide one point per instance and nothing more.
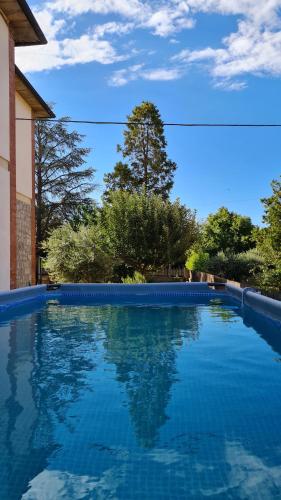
(197, 60)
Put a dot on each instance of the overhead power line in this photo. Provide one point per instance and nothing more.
(167, 124)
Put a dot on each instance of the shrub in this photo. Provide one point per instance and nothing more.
(77, 256)
(137, 278)
(197, 261)
(245, 266)
(147, 232)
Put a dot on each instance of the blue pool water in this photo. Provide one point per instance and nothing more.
(167, 401)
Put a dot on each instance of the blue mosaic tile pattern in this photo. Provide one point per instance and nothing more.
(137, 401)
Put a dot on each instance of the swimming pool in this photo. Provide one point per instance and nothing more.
(173, 396)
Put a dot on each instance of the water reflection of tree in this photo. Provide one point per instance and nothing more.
(50, 356)
(225, 313)
(46, 361)
(65, 344)
(142, 343)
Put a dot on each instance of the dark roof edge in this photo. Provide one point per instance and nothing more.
(34, 92)
(29, 15)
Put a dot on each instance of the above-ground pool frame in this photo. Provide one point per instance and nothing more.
(247, 297)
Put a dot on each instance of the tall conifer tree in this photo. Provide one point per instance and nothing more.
(147, 169)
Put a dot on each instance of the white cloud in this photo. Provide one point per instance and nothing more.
(138, 72)
(260, 11)
(251, 50)
(162, 74)
(254, 48)
(127, 8)
(113, 28)
(90, 47)
(123, 76)
(168, 20)
(230, 85)
(55, 17)
(164, 17)
(49, 24)
(68, 52)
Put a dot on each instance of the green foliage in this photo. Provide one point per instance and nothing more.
(227, 232)
(242, 267)
(85, 215)
(238, 267)
(137, 278)
(148, 232)
(197, 261)
(269, 240)
(272, 217)
(77, 256)
(148, 169)
(120, 271)
(120, 179)
(62, 186)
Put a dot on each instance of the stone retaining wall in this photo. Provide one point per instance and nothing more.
(24, 275)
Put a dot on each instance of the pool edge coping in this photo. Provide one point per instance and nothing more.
(264, 305)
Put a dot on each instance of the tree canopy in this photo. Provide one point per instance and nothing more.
(147, 169)
(269, 239)
(228, 232)
(62, 183)
(148, 231)
(79, 256)
(272, 216)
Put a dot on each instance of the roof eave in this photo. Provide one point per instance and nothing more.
(31, 96)
(23, 25)
(33, 22)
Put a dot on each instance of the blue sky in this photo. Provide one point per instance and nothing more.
(197, 60)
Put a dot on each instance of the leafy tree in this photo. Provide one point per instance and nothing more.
(227, 232)
(272, 216)
(148, 232)
(77, 256)
(62, 186)
(148, 169)
(197, 261)
(269, 239)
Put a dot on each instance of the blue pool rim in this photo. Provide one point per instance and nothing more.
(264, 305)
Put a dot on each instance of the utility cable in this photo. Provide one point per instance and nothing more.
(166, 124)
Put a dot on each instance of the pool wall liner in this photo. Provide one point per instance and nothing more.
(264, 305)
(260, 303)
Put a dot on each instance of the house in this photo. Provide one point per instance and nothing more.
(18, 99)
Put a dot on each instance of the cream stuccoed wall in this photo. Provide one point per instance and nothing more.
(4, 225)
(23, 148)
(4, 90)
(4, 158)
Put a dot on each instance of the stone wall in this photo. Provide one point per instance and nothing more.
(24, 250)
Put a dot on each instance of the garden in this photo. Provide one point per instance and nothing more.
(137, 228)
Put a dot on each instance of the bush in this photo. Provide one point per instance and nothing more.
(269, 246)
(77, 256)
(147, 232)
(197, 261)
(269, 281)
(245, 266)
(137, 278)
